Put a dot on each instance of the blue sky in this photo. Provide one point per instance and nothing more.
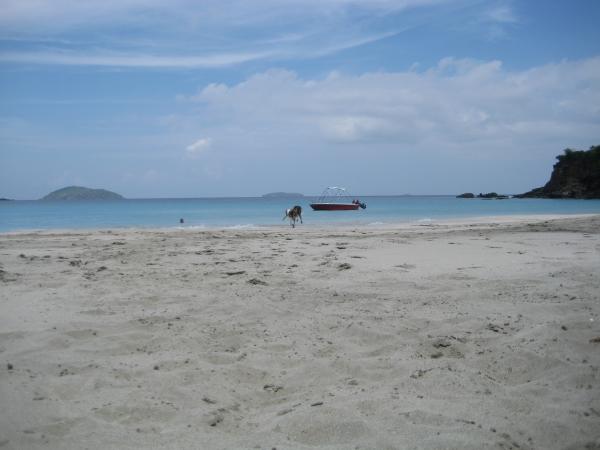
(156, 98)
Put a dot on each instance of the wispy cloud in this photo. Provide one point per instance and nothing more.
(197, 148)
(134, 60)
(499, 19)
(502, 14)
(185, 33)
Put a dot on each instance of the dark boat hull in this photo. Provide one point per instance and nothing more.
(334, 206)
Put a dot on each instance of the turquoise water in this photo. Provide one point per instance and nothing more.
(256, 212)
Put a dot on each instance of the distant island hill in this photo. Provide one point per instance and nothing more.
(283, 195)
(82, 193)
(575, 175)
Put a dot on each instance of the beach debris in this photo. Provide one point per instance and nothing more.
(209, 400)
(595, 340)
(156, 367)
(101, 268)
(564, 328)
(239, 272)
(272, 387)
(316, 404)
(256, 281)
(118, 243)
(469, 422)
(215, 419)
(437, 355)
(284, 411)
(344, 266)
(9, 366)
(419, 373)
(441, 344)
(493, 327)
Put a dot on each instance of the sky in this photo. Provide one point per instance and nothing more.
(210, 98)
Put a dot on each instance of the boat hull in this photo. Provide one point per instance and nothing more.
(334, 206)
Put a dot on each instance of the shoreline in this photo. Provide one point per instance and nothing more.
(508, 219)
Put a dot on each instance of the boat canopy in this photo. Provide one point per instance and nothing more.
(334, 194)
(336, 198)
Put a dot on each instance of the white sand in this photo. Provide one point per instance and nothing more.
(473, 334)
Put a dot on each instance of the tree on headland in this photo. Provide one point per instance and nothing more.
(575, 175)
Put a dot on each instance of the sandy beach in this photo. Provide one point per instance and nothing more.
(464, 335)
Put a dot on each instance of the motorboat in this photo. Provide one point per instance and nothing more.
(336, 198)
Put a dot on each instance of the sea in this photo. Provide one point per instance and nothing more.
(257, 212)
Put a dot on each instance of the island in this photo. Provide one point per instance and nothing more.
(575, 175)
(283, 195)
(488, 196)
(492, 195)
(82, 193)
(5, 199)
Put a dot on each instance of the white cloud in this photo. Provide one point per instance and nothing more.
(198, 147)
(456, 103)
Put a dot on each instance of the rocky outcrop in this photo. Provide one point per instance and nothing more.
(575, 175)
(492, 195)
(82, 193)
(466, 195)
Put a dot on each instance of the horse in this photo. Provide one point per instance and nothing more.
(293, 214)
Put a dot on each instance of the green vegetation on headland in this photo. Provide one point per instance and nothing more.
(82, 193)
(575, 175)
(283, 195)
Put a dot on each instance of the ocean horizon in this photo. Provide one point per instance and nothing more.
(256, 212)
